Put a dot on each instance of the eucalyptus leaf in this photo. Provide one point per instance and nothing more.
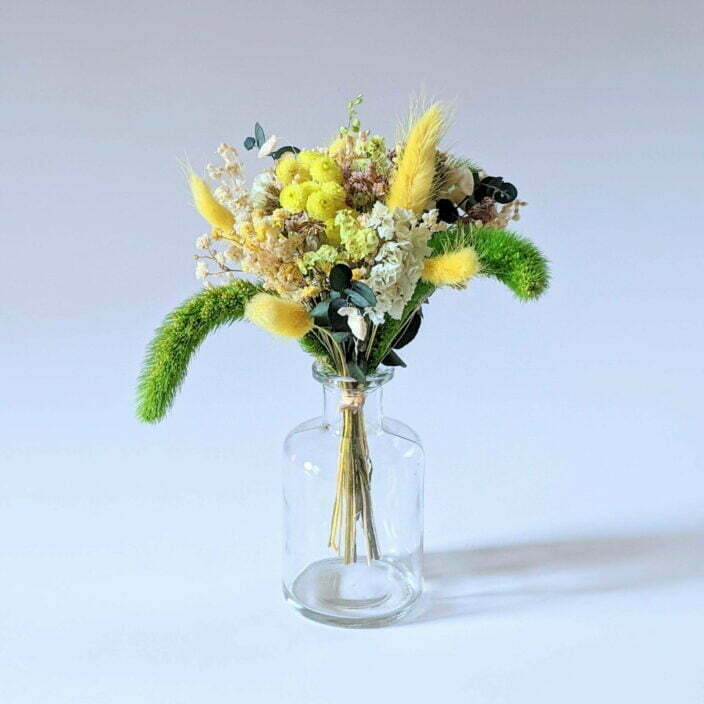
(340, 277)
(250, 143)
(340, 336)
(259, 134)
(364, 290)
(393, 360)
(356, 372)
(321, 308)
(356, 298)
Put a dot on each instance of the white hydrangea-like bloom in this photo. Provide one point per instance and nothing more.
(399, 262)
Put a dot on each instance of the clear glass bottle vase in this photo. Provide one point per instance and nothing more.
(353, 508)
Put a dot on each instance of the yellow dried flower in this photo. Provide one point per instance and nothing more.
(308, 157)
(245, 230)
(332, 232)
(336, 146)
(212, 211)
(289, 170)
(293, 197)
(322, 206)
(334, 190)
(325, 169)
(453, 268)
(278, 316)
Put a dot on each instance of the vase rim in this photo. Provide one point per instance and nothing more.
(377, 378)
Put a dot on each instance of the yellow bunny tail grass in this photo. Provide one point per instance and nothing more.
(285, 318)
(413, 183)
(217, 215)
(453, 268)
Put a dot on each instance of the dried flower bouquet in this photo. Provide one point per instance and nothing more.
(339, 247)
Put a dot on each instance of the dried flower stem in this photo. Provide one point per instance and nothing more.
(353, 496)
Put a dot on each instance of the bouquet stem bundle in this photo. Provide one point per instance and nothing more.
(353, 502)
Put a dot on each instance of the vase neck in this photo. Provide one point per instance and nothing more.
(337, 400)
(344, 394)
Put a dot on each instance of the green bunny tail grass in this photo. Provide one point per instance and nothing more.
(513, 260)
(311, 344)
(390, 328)
(180, 335)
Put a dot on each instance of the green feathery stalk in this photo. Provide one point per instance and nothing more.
(311, 344)
(180, 335)
(513, 260)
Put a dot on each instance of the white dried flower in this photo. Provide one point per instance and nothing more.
(355, 320)
(203, 242)
(267, 147)
(201, 270)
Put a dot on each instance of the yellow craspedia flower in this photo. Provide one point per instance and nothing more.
(278, 316)
(321, 206)
(453, 268)
(308, 157)
(212, 211)
(310, 187)
(325, 169)
(288, 170)
(334, 190)
(293, 197)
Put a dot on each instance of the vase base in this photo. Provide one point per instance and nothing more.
(358, 595)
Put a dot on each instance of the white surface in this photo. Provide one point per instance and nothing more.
(564, 485)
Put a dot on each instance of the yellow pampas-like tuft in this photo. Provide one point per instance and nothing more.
(453, 268)
(278, 316)
(413, 183)
(217, 215)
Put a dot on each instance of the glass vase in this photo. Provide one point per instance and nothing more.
(353, 508)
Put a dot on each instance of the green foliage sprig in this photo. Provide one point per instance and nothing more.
(180, 335)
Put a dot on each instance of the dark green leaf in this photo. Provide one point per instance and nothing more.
(340, 277)
(495, 187)
(249, 143)
(364, 290)
(338, 322)
(356, 299)
(409, 332)
(282, 150)
(259, 134)
(393, 360)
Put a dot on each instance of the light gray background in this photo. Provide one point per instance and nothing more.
(564, 486)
